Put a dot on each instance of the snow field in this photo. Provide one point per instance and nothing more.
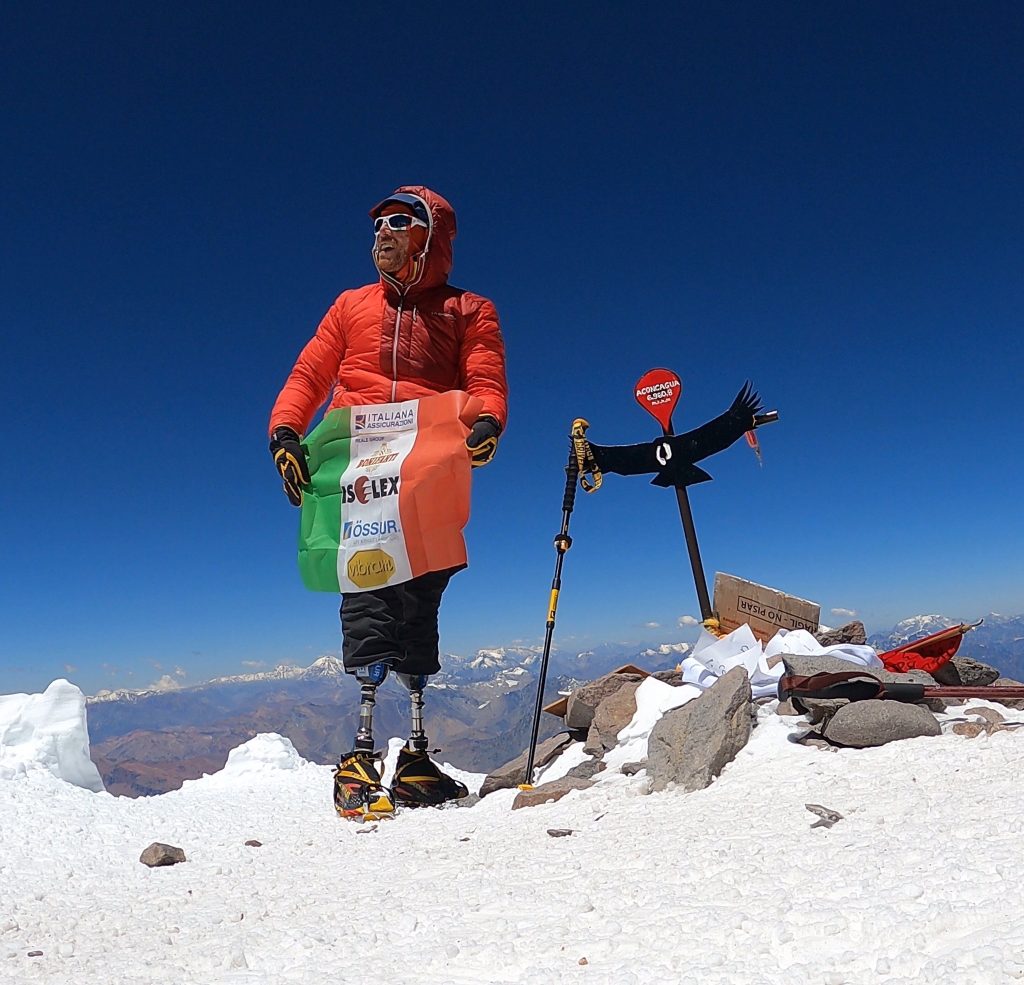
(917, 884)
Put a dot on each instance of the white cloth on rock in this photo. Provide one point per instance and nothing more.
(712, 657)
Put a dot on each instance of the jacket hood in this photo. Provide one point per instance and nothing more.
(436, 259)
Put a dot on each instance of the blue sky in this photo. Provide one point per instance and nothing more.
(823, 198)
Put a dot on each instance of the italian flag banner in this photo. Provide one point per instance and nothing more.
(389, 493)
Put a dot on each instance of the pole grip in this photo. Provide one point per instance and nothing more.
(577, 449)
(572, 474)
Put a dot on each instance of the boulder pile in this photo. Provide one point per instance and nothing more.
(691, 744)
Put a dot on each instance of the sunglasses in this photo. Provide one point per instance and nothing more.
(397, 222)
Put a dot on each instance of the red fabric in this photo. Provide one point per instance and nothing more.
(928, 654)
(383, 343)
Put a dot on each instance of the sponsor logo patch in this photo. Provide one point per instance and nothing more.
(382, 457)
(365, 529)
(370, 569)
(384, 420)
(364, 489)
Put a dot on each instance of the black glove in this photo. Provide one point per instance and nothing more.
(291, 462)
(482, 441)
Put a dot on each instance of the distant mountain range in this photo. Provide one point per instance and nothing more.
(479, 709)
(998, 641)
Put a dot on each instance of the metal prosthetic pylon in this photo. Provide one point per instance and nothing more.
(416, 683)
(370, 678)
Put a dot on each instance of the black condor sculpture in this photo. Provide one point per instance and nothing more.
(671, 458)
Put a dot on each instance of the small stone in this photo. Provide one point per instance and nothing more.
(989, 714)
(852, 632)
(548, 792)
(464, 839)
(253, 843)
(672, 677)
(826, 816)
(559, 832)
(631, 769)
(35, 954)
(1016, 703)
(583, 961)
(160, 854)
(587, 769)
(970, 729)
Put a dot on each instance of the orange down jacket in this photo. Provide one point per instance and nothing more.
(388, 342)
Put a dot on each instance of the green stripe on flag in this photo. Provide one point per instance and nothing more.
(328, 451)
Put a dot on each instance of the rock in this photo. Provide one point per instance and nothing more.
(35, 954)
(947, 675)
(1017, 703)
(821, 709)
(862, 724)
(514, 772)
(989, 714)
(852, 632)
(970, 729)
(967, 672)
(691, 745)
(593, 746)
(253, 843)
(160, 854)
(805, 666)
(788, 709)
(547, 793)
(672, 677)
(587, 769)
(583, 702)
(615, 713)
(815, 740)
(631, 769)
(559, 832)
(826, 816)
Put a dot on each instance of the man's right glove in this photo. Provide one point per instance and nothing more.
(482, 441)
(290, 462)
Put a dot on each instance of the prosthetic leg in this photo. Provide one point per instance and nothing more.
(358, 791)
(418, 782)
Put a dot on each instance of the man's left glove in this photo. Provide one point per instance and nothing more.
(482, 441)
(291, 462)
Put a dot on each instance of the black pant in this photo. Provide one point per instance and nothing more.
(397, 624)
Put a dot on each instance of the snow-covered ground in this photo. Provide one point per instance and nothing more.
(918, 883)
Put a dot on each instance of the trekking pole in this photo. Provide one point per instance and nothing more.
(563, 542)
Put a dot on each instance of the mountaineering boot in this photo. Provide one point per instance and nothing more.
(419, 783)
(358, 791)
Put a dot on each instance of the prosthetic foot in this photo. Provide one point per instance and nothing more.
(418, 782)
(359, 793)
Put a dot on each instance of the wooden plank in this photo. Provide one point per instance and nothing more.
(766, 610)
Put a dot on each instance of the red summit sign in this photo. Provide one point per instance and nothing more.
(657, 391)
